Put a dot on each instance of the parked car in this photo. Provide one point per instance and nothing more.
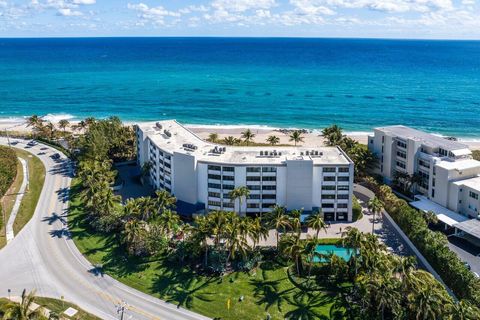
(32, 143)
(55, 156)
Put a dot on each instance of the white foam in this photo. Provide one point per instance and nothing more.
(229, 126)
(57, 117)
(11, 120)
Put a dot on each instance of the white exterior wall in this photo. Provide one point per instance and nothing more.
(298, 183)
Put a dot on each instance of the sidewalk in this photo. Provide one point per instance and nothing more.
(18, 201)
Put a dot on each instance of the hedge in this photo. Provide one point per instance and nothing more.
(432, 244)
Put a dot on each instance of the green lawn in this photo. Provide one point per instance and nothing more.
(267, 290)
(30, 199)
(59, 307)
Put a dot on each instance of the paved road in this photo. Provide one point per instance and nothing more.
(18, 200)
(466, 252)
(44, 258)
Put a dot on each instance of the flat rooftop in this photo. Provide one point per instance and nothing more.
(443, 214)
(473, 183)
(459, 164)
(178, 138)
(425, 138)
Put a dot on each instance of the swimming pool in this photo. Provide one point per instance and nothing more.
(342, 252)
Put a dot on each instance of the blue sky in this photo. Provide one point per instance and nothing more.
(432, 19)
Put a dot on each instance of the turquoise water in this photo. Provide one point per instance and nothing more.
(339, 251)
(303, 83)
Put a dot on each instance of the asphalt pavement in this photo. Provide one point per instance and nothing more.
(43, 257)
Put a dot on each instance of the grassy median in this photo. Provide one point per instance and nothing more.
(30, 199)
(36, 171)
(268, 290)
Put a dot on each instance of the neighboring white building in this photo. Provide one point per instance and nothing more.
(200, 174)
(451, 176)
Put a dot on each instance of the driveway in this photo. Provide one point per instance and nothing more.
(466, 252)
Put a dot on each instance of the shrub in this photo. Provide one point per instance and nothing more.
(356, 209)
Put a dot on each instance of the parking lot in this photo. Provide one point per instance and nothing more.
(466, 252)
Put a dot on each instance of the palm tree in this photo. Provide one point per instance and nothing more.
(292, 247)
(63, 124)
(168, 221)
(50, 127)
(213, 137)
(315, 221)
(333, 135)
(23, 310)
(375, 205)
(134, 235)
(296, 136)
(430, 217)
(278, 219)
(239, 194)
(36, 123)
(273, 140)
(230, 141)
(164, 200)
(248, 136)
(295, 217)
(89, 121)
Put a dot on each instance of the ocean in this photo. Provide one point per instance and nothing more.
(358, 84)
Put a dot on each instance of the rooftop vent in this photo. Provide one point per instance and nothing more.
(261, 153)
(167, 133)
(159, 125)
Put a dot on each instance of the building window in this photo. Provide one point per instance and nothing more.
(228, 187)
(254, 178)
(328, 205)
(424, 163)
(328, 187)
(433, 193)
(226, 196)
(269, 187)
(329, 178)
(401, 164)
(214, 185)
(229, 169)
(269, 196)
(215, 176)
(229, 178)
(269, 178)
(342, 205)
(269, 169)
(214, 203)
(253, 169)
(254, 196)
(253, 187)
(253, 205)
(342, 196)
(329, 169)
(228, 205)
(214, 194)
(268, 205)
(344, 169)
(343, 188)
(328, 196)
(402, 144)
(473, 195)
(402, 154)
(383, 139)
(343, 179)
(212, 167)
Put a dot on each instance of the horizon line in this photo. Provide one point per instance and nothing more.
(243, 37)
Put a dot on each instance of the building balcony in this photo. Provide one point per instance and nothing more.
(217, 172)
(329, 183)
(328, 191)
(269, 183)
(269, 174)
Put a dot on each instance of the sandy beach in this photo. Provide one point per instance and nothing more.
(311, 137)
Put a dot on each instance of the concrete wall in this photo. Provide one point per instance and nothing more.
(184, 181)
(282, 186)
(299, 177)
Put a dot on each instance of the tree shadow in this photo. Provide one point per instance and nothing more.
(306, 305)
(55, 217)
(63, 194)
(268, 292)
(60, 233)
(182, 287)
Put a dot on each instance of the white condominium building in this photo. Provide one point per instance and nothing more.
(451, 178)
(201, 174)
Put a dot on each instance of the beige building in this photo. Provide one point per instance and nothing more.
(451, 178)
